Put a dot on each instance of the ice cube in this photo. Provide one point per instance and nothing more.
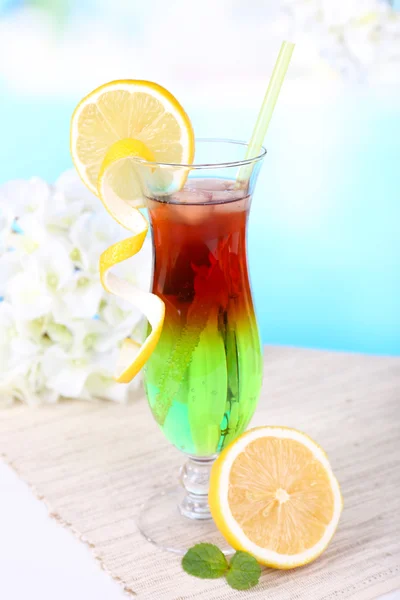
(227, 195)
(211, 184)
(210, 189)
(195, 196)
(192, 214)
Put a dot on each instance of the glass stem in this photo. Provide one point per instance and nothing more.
(195, 478)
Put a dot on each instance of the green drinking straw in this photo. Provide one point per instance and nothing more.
(267, 108)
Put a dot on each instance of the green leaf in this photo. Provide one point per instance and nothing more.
(244, 571)
(205, 561)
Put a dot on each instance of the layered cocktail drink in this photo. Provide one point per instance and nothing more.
(204, 377)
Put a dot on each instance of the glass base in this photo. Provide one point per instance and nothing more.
(162, 522)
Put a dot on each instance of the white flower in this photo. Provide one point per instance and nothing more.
(358, 37)
(25, 197)
(28, 295)
(16, 350)
(62, 212)
(17, 388)
(60, 332)
(73, 189)
(17, 355)
(66, 374)
(54, 264)
(9, 266)
(102, 384)
(46, 272)
(80, 298)
(92, 233)
(83, 374)
(28, 203)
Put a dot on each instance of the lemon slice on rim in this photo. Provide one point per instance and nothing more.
(273, 494)
(111, 128)
(128, 109)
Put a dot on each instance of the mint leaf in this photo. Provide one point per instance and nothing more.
(206, 561)
(244, 571)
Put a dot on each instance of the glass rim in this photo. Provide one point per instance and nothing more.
(203, 165)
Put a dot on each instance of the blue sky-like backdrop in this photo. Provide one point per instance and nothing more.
(324, 234)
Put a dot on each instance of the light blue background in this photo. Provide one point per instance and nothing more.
(324, 238)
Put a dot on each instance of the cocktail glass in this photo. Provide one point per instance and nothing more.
(204, 377)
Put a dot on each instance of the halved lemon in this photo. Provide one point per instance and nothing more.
(273, 494)
(111, 128)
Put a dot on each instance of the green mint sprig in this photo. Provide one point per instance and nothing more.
(208, 562)
(244, 571)
(205, 561)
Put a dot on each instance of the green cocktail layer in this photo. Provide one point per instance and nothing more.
(203, 383)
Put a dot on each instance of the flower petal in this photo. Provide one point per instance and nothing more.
(65, 374)
(72, 187)
(28, 296)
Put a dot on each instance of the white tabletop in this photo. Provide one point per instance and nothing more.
(41, 559)
(38, 557)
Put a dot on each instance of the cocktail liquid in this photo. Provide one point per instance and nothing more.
(204, 377)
